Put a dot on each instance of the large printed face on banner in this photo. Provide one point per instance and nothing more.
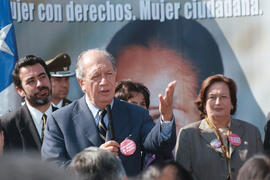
(207, 37)
(155, 67)
(155, 54)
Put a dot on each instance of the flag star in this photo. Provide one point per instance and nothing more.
(3, 34)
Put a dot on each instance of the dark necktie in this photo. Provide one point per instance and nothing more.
(101, 125)
(44, 119)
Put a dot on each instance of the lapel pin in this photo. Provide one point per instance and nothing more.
(215, 143)
(235, 139)
(128, 147)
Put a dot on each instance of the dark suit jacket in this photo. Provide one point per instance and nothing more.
(194, 152)
(73, 128)
(266, 143)
(20, 131)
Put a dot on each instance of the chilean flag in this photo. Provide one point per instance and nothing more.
(9, 99)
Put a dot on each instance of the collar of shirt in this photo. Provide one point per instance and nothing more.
(223, 133)
(37, 115)
(59, 105)
(94, 110)
(224, 130)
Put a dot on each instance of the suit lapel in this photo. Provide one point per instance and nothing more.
(118, 114)
(27, 118)
(85, 121)
(208, 134)
(238, 130)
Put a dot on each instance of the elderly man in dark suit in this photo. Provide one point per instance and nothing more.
(60, 74)
(78, 125)
(24, 127)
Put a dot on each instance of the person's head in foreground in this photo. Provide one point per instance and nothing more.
(255, 168)
(94, 163)
(30, 167)
(166, 170)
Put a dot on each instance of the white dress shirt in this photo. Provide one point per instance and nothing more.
(59, 105)
(166, 126)
(37, 117)
(95, 110)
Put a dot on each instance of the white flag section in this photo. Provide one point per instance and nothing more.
(9, 100)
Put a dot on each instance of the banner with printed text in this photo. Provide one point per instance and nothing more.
(157, 41)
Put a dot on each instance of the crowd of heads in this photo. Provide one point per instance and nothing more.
(95, 163)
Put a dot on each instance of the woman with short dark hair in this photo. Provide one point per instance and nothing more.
(133, 92)
(217, 146)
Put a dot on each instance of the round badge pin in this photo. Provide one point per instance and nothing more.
(215, 143)
(235, 139)
(127, 147)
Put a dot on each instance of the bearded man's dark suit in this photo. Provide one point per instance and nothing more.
(267, 134)
(20, 131)
(73, 128)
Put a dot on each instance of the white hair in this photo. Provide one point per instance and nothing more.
(79, 66)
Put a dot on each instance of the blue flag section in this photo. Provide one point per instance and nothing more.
(8, 58)
(8, 51)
